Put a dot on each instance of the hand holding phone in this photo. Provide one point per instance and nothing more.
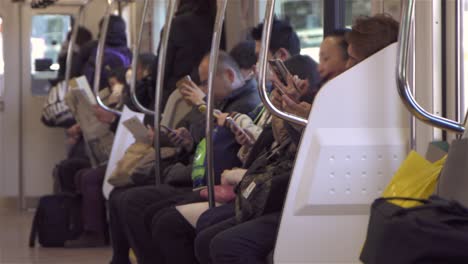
(184, 80)
(284, 76)
(166, 130)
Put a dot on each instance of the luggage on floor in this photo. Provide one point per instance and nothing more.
(57, 219)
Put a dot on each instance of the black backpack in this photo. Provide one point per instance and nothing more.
(57, 219)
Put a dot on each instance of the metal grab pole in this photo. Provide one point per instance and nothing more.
(213, 66)
(71, 44)
(160, 83)
(136, 52)
(99, 56)
(263, 59)
(402, 78)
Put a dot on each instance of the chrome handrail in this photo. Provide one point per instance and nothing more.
(173, 4)
(263, 59)
(99, 57)
(213, 66)
(402, 78)
(72, 42)
(136, 52)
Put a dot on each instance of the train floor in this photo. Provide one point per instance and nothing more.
(14, 235)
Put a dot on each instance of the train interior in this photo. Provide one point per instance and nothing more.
(354, 142)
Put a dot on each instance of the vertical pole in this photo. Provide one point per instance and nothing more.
(160, 85)
(213, 66)
(136, 52)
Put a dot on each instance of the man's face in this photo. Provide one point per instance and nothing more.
(270, 75)
(222, 87)
(353, 58)
(332, 61)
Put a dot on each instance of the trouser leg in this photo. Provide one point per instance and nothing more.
(246, 243)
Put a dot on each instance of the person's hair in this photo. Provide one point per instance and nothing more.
(305, 68)
(340, 35)
(83, 36)
(282, 36)
(225, 61)
(119, 74)
(244, 54)
(371, 34)
(147, 61)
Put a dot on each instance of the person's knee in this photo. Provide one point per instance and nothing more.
(202, 247)
(161, 224)
(224, 249)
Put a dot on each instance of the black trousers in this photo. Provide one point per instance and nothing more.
(174, 236)
(127, 212)
(231, 243)
(215, 215)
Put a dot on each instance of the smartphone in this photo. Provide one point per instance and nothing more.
(166, 129)
(281, 72)
(185, 79)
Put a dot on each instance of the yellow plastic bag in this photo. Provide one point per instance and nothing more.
(416, 178)
(132, 257)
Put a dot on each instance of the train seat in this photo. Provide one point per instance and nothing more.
(357, 136)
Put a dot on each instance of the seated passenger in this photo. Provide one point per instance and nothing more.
(89, 182)
(369, 35)
(251, 241)
(284, 43)
(333, 58)
(244, 54)
(116, 53)
(128, 205)
(172, 234)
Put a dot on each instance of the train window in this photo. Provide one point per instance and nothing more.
(355, 8)
(48, 33)
(306, 16)
(2, 62)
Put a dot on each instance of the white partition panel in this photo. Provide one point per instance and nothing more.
(356, 138)
(122, 140)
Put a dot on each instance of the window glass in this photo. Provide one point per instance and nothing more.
(306, 16)
(355, 8)
(48, 34)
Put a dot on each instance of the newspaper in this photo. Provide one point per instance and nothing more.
(138, 129)
(97, 136)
